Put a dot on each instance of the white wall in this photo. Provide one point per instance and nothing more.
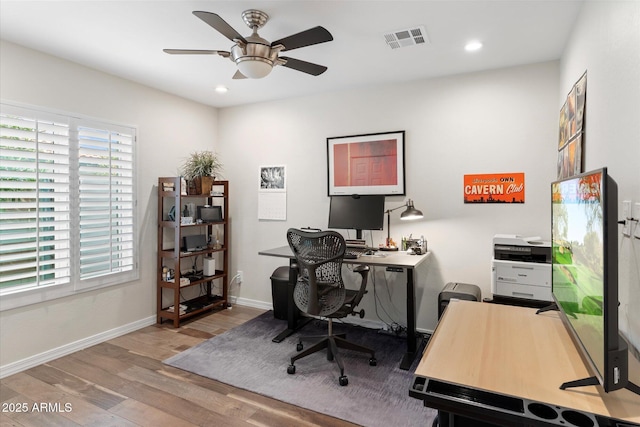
(606, 43)
(497, 121)
(168, 128)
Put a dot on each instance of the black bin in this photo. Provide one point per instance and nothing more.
(454, 290)
(279, 282)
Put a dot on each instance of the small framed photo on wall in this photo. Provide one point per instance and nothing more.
(273, 178)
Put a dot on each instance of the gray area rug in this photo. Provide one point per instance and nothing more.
(245, 357)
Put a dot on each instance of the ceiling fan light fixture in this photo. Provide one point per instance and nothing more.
(254, 67)
(254, 60)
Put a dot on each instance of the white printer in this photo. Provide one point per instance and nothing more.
(521, 268)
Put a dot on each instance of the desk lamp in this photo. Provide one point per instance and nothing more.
(410, 213)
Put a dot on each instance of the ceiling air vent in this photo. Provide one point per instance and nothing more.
(407, 37)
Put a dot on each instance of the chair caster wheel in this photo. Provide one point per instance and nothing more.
(291, 369)
(359, 313)
(299, 346)
(373, 362)
(343, 380)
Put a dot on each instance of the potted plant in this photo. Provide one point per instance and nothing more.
(200, 169)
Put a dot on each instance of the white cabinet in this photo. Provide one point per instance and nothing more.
(528, 280)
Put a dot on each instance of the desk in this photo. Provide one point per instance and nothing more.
(399, 260)
(510, 353)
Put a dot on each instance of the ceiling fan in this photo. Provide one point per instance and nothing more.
(254, 56)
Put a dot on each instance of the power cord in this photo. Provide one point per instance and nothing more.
(194, 267)
(229, 291)
(392, 325)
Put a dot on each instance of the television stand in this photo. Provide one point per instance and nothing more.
(632, 387)
(551, 307)
(580, 383)
(620, 368)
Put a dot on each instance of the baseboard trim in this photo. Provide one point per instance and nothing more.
(250, 303)
(365, 323)
(49, 355)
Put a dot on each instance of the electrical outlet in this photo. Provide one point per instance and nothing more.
(636, 216)
(239, 277)
(626, 215)
(626, 209)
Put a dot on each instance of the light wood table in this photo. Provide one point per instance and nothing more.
(512, 352)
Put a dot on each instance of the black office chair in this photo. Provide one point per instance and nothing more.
(320, 291)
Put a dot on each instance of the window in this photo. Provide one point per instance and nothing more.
(67, 205)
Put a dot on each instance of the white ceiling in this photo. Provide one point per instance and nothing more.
(126, 38)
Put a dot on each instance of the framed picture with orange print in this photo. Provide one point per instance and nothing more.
(366, 164)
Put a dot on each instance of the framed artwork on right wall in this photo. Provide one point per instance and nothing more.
(571, 130)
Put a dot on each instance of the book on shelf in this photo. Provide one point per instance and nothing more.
(183, 309)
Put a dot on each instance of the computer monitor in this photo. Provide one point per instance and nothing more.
(357, 213)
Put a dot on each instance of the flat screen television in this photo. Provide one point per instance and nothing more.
(584, 234)
(356, 212)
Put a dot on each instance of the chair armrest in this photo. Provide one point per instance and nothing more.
(363, 270)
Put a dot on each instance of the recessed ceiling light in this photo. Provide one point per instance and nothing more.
(222, 89)
(473, 46)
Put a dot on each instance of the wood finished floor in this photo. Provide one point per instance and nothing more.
(122, 382)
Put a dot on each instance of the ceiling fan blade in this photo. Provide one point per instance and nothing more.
(305, 38)
(304, 66)
(219, 25)
(238, 75)
(191, 52)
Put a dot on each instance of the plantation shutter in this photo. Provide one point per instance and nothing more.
(106, 200)
(34, 199)
(67, 205)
